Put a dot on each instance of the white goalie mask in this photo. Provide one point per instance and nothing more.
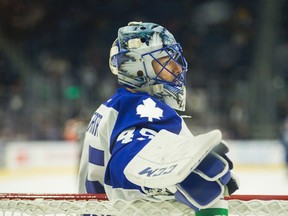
(131, 57)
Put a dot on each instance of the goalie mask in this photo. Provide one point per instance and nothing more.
(131, 56)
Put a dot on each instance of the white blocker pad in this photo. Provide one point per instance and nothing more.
(169, 158)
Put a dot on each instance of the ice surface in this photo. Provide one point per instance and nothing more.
(256, 180)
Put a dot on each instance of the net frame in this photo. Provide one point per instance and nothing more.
(77, 204)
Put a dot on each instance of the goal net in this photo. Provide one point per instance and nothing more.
(98, 204)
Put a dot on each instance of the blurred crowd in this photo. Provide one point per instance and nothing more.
(54, 61)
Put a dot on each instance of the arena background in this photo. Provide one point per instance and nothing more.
(54, 73)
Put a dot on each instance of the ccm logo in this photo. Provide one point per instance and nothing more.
(157, 172)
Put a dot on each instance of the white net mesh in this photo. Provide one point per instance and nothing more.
(259, 207)
(92, 206)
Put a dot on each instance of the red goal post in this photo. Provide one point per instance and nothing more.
(98, 204)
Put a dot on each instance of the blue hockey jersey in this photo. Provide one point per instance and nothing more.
(118, 130)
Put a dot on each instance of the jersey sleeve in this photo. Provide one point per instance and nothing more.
(129, 143)
(140, 118)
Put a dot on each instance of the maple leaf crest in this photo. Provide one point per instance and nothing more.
(148, 109)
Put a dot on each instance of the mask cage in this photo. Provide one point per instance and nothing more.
(174, 52)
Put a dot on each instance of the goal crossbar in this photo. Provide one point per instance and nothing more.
(74, 196)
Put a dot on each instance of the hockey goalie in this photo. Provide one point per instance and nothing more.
(136, 145)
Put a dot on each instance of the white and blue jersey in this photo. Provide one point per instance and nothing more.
(118, 130)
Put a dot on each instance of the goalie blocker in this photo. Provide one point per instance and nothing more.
(195, 169)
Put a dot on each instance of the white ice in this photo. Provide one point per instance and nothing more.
(255, 180)
(270, 181)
